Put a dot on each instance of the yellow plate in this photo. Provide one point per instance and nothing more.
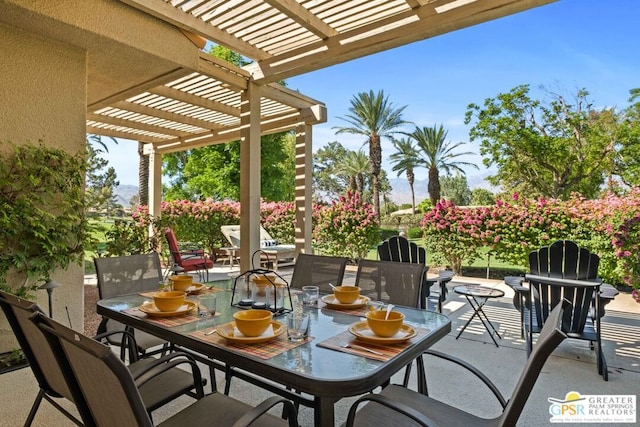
(194, 288)
(332, 302)
(227, 332)
(363, 333)
(152, 310)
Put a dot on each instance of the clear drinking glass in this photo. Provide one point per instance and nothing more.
(297, 326)
(310, 295)
(207, 305)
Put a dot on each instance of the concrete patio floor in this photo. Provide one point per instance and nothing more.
(570, 368)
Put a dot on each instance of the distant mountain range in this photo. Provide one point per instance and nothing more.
(401, 192)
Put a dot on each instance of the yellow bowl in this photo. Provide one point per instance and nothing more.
(384, 328)
(169, 301)
(252, 323)
(346, 294)
(181, 282)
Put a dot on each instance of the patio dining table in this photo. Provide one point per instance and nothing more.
(315, 372)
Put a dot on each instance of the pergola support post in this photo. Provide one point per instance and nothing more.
(303, 188)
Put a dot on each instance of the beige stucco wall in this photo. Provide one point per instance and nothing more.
(43, 89)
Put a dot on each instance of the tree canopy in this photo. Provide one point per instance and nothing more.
(550, 148)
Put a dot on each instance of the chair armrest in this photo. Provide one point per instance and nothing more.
(263, 407)
(165, 363)
(474, 371)
(400, 407)
(561, 281)
(127, 341)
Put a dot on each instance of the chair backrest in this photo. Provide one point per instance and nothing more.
(101, 382)
(174, 247)
(34, 345)
(391, 282)
(563, 258)
(399, 249)
(550, 337)
(128, 274)
(318, 270)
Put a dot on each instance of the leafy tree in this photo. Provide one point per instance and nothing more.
(405, 159)
(355, 165)
(436, 154)
(100, 183)
(456, 189)
(328, 181)
(545, 149)
(628, 160)
(373, 116)
(482, 197)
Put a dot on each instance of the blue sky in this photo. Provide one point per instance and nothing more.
(564, 46)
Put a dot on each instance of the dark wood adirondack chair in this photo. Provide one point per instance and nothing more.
(565, 271)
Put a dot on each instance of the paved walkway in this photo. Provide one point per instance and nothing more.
(570, 368)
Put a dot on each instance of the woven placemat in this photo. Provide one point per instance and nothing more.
(265, 350)
(190, 316)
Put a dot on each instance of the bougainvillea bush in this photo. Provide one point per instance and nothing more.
(347, 227)
(609, 227)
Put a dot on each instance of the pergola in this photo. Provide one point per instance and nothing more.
(146, 82)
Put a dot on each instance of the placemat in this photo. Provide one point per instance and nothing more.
(265, 350)
(360, 311)
(191, 316)
(388, 351)
(205, 290)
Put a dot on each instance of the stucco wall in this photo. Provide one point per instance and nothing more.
(43, 89)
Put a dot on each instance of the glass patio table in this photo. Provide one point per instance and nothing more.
(309, 374)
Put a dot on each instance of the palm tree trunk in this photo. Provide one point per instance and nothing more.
(411, 179)
(434, 185)
(143, 176)
(375, 157)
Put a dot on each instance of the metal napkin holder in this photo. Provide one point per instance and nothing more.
(264, 272)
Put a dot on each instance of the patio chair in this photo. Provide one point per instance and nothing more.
(393, 283)
(271, 251)
(126, 275)
(51, 383)
(400, 249)
(190, 260)
(163, 389)
(117, 402)
(565, 271)
(396, 405)
(318, 270)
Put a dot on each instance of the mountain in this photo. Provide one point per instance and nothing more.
(401, 192)
(124, 193)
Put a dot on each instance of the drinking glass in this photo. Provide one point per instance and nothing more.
(297, 326)
(310, 295)
(206, 305)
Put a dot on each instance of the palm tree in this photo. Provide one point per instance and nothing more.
(405, 159)
(355, 165)
(435, 154)
(373, 116)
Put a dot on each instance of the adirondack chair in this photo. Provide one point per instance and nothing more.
(565, 271)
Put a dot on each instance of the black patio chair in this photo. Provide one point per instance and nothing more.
(155, 393)
(127, 275)
(565, 271)
(400, 249)
(109, 395)
(396, 405)
(318, 270)
(393, 283)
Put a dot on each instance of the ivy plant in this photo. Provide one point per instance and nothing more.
(42, 214)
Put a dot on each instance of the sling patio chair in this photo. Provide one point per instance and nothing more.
(110, 396)
(393, 283)
(161, 390)
(126, 275)
(318, 270)
(400, 249)
(396, 405)
(271, 251)
(189, 260)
